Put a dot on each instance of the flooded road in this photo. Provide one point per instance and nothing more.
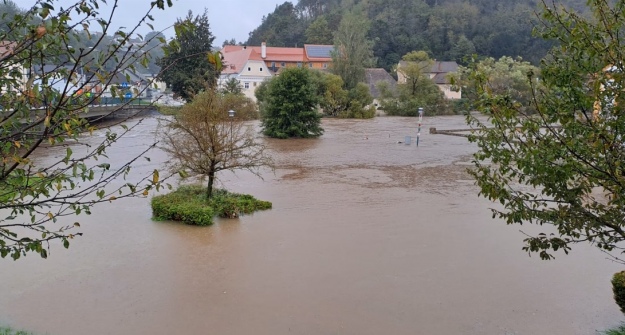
(366, 236)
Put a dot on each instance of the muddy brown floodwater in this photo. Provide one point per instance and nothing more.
(366, 236)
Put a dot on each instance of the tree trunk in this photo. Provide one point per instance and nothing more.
(209, 189)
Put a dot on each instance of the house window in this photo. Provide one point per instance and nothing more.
(283, 64)
(310, 65)
(299, 64)
(249, 69)
(261, 69)
(246, 85)
(273, 64)
(325, 65)
(254, 84)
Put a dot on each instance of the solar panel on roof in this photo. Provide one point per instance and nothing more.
(319, 51)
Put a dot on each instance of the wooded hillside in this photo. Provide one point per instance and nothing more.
(447, 29)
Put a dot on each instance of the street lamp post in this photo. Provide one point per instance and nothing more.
(231, 117)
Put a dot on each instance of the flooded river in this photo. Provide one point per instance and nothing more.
(366, 236)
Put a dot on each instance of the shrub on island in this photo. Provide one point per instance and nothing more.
(190, 205)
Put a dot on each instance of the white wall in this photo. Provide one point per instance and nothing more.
(251, 76)
(449, 93)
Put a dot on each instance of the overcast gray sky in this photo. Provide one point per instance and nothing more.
(228, 18)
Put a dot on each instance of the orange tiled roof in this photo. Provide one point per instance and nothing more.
(274, 54)
(230, 48)
(280, 54)
(235, 55)
(234, 60)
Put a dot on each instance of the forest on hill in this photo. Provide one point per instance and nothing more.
(446, 29)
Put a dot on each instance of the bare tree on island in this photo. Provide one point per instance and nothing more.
(40, 75)
(204, 139)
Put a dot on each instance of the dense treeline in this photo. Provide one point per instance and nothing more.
(446, 29)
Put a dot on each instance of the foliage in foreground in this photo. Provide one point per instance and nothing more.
(189, 205)
(40, 72)
(9, 187)
(11, 331)
(620, 330)
(563, 165)
(618, 288)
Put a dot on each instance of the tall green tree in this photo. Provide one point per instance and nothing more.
(561, 167)
(336, 101)
(415, 88)
(8, 10)
(462, 50)
(313, 9)
(154, 42)
(416, 66)
(40, 202)
(185, 67)
(333, 97)
(289, 105)
(319, 32)
(233, 86)
(282, 28)
(353, 49)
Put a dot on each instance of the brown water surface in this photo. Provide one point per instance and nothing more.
(367, 236)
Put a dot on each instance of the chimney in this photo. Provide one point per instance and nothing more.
(263, 50)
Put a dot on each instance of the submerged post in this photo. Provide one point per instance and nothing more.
(420, 119)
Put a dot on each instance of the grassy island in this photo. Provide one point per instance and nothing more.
(190, 205)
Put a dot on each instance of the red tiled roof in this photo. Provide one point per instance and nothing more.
(235, 55)
(274, 54)
(235, 60)
(278, 54)
(230, 48)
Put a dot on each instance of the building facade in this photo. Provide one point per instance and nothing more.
(251, 65)
(439, 73)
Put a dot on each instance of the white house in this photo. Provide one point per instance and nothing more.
(439, 74)
(12, 63)
(247, 66)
